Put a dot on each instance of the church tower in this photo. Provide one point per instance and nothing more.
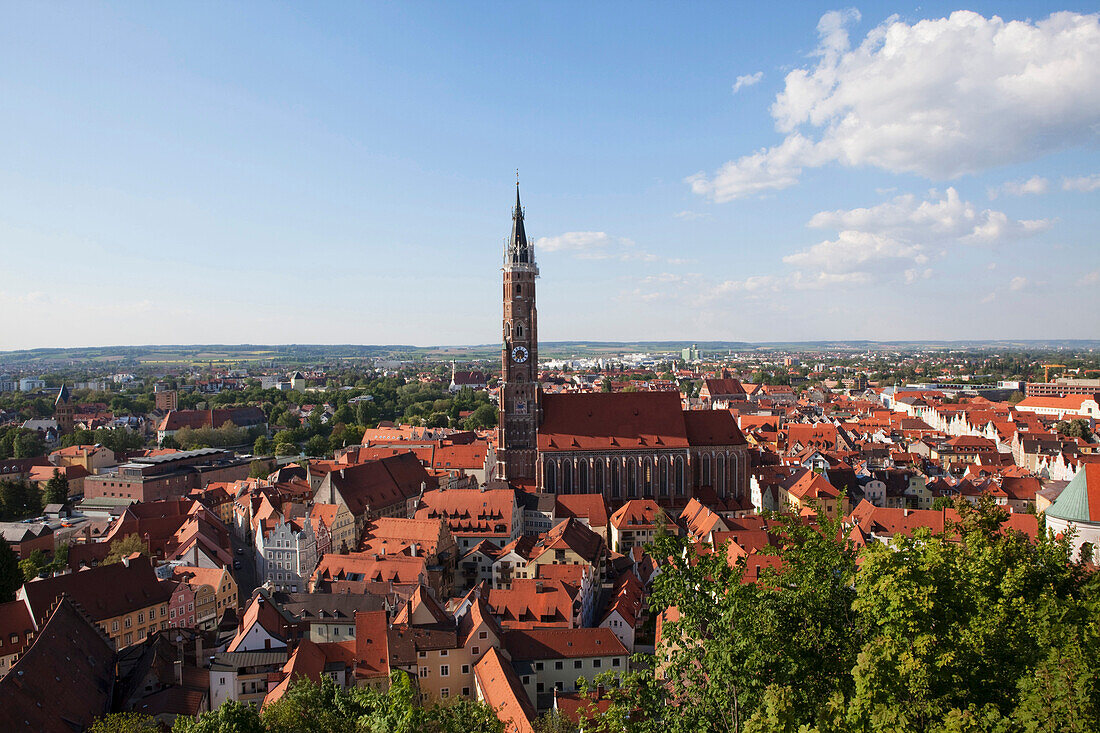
(517, 427)
(64, 410)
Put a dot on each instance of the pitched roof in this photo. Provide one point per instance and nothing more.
(103, 592)
(612, 420)
(637, 513)
(592, 507)
(712, 427)
(1080, 500)
(534, 644)
(503, 692)
(377, 484)
(70, 667)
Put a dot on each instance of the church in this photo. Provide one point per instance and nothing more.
(626, 445)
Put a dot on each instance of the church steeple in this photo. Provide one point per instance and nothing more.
(518, 251)
(517, 427)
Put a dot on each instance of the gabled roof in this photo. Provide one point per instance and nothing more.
(377, 484)
(535, 644)
(64, 681)
(103, 592)
(637, 514)
(612, 421)
(712, 427)
(503, 692)
(592, 507)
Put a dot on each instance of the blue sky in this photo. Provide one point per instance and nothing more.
(331, 173)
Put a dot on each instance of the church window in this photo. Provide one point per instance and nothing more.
(551, 479)
(599, 475)
(679, 471)
(663, 485)
(519, 330)
(616, 480)
(647, 477)
(566, 477)
(721, 477)
(706, 470)
(519, 288)
(632, 478)
(582, 478)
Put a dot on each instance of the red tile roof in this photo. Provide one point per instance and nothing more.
(612, 421)
(534, 644)
(103, 592)
(69, 667)
(503, 692)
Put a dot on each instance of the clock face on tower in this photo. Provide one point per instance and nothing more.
(519, 354)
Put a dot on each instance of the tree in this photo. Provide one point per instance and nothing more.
(125, 723)
(125, 546)
(262, 446)
(28, 444)
(57, 489)
(229, 717)
(11, 575)
(259, 469)
(952, 626)
(605, 384)
(317, 446)
(286, 449)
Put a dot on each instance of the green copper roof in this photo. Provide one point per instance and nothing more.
(1073, 503)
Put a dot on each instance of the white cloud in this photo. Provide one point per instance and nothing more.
(1082, 183)
(1089, 278)
(1036, 185)
(906, 231)
(1017, 284)
(940, 98)
(574, 242)
(595, 246)
(747, 81)
(687, 215)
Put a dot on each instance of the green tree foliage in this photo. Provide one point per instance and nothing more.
(28, 444)
(317, 446)
(227, 436)
(117, 439)
(1078, 428)
(308, 707)
(485, 416)
(127, 545)
(57, 488)
(258, 469)
(20, 500)
(11, 576)
(125, 723)
(975, 629)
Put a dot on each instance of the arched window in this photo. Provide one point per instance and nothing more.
(706, 470)
(550, 478)
(632, 478)
(582, 477)
(721, 482)
(598, 470)
(616, 479)
(679, 471)
(519, 330)
(566, 477)
(662, 483)
(647, 477)
(735, 474)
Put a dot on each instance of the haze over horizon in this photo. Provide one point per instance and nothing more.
(344, 175)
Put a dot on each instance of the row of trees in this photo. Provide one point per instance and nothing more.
(976, 629)
(309, 707)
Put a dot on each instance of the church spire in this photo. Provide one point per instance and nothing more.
(518, 251)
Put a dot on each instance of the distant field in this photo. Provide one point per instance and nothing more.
(122, 357)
